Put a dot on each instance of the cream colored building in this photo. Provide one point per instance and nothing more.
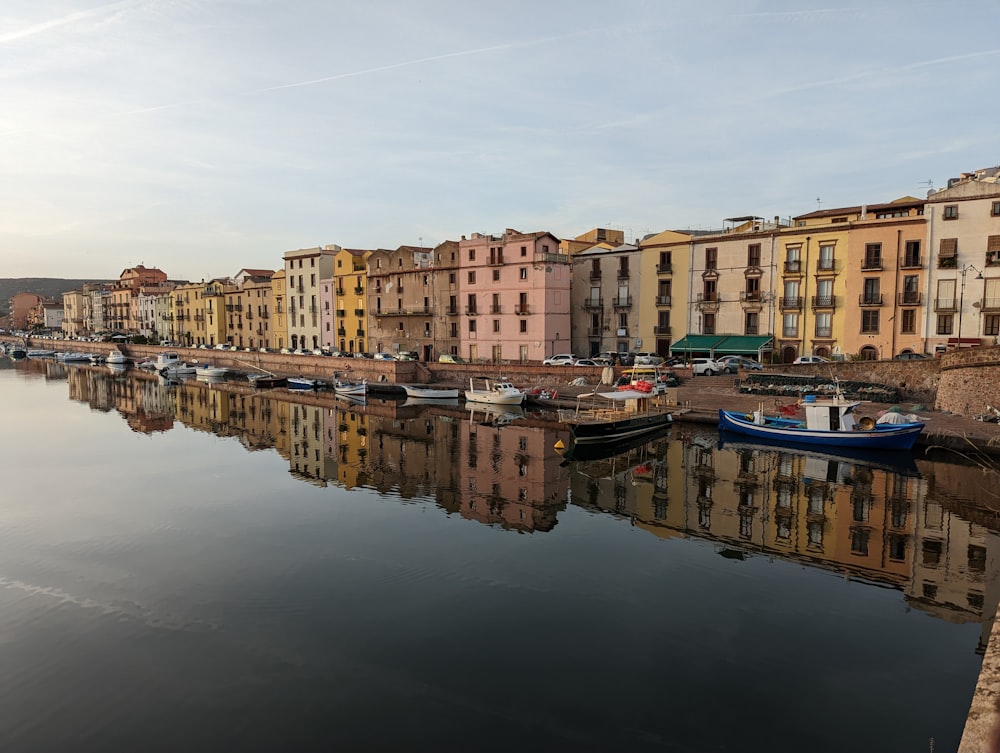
(304, 268)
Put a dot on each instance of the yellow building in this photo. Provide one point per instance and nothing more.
(278, 337)
(664, 266)
(350, 282)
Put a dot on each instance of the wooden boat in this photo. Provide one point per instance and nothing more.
(828, 421)
(266, 381)
(616, 416)
(351, 389)
(500, 392)
(430, 393)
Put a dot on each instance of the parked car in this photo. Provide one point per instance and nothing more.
(587, 362)
(732, 364)
(705, 367)
(648, 359)
(811, 359)
(383, 357)
(362, 354)
(450, 358)
(562, 359)
(911, 356)
(406, 355)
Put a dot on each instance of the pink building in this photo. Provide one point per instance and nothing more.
(513, 290)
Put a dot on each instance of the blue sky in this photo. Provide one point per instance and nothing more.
(203, 136)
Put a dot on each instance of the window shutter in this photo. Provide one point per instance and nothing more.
(949, 247)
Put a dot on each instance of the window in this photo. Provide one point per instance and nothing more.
(496, 275)
(472, 254)
(623, 267)
(825, 263)
(753, 255)
(524, 250)
(908, 322)
(451, 278)
(790, 325)
(824, 326)
(524, 273)
(750, 323)
(991, 324)
(951, 212)
(995, 210)
(869, 321)
(911, 294)
(708, 291)
(496, 325)
(911, 254)
(753, 289)
(472, 277)
(711, 258)
(472, 325)
(524, 325)
(708, 324)
(871, 294)
(873, 256)
(944, 324)
(792, 263)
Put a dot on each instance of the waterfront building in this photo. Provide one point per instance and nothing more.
(515, 289)
(731, 278)
(606, 300)
(447, 315)
(75, 303)
(197, 310)
(123, 312)
(964, 275)
(248, 309)
(279, 322)
(100, 306)
(304, 268)
(400, 299)
(20, 306)
(349, 272)
(664, 270)
(51, 315)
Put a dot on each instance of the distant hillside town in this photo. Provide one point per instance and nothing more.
(873, 281)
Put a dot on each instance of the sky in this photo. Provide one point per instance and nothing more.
(206, 136)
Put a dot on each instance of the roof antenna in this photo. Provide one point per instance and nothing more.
(819, 204)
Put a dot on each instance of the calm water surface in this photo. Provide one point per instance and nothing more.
(199, 568)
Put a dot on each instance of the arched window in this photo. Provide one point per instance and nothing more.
(868, 353)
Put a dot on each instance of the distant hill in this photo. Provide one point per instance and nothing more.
(47, 287)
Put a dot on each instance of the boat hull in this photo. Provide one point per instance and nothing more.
(300, 383)
(356, 391)
(882, 437)
(427, 393)
(589, 432)
(266, 382)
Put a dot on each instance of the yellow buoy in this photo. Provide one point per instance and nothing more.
(559, 445)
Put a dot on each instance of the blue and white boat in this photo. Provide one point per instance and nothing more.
(828, 421)
(302, 383)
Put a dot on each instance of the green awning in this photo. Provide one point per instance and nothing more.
(739, 345)
(723, 345)
(696, 343)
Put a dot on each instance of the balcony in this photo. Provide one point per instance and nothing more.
(358, 268)
(661, 329)
(360, 332)
(593, 332)
(522, 309)
(341, 331)
(452, 311)
(751, 299)
(911, 262)
(622, 302)
(664, 269)
(593, 304)
(825, 265)
(793, 267)
(663, 300)
(990, 305)
(495, 260)
(264, 315)
(992, 258)
(824, 333)
(871, 264)
(824, 301)
(359, 312)
(340, 291)
(471, 311)
(708, 301)
(910, 298)
(300, 288)
(496, 309)
(947, 261)
(792, 302)
(360, 290)
(340, 312)
(870, 299)
(623, 274)
(595, 275)
(945, 304)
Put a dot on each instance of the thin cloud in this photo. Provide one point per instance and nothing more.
(70, 18)
(883, 72)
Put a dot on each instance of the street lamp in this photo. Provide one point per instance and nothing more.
(961, 297)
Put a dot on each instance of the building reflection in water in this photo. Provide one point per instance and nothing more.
(911, 526)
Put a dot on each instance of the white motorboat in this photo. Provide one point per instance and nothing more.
(39, 353)
(499, 392)
(208, 371)
(74, 357)
(116, 357)
(169, 363)
(430, 393)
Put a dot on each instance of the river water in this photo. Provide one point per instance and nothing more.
(197, 567)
